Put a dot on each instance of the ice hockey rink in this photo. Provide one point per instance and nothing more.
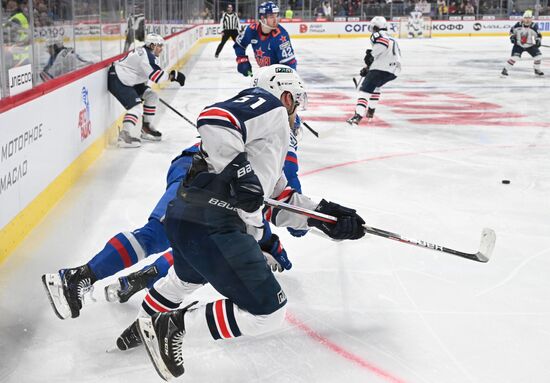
(429, 166)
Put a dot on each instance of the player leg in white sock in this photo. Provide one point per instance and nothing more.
(150, 101)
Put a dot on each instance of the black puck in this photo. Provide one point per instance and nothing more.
(505, 182)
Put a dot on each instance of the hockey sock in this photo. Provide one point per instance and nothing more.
(149, 113)
(537, 61)
(166, 294)
(122, 251)
(131, 120)
(373, 100)
(162, 264)
(362, 103)
(510, 63)
(222, 319)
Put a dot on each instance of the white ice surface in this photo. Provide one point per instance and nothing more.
(430, 166)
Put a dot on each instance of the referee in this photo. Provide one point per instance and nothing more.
(230, 27)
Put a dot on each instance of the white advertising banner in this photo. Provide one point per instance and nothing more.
(43, 137)
(19, 79)
(439, 28)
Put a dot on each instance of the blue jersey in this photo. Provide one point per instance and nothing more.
(273, 48)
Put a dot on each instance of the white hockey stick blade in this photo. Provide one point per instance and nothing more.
(149, 338)
(487, 245)
(327, 133)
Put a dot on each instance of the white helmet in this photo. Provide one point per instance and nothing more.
(153, 38)
(277, 79)
(379, 22)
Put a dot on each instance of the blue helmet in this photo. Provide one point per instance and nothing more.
(267, 8)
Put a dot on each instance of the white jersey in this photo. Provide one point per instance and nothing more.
(63, 61)
(254, 122)
(138, 66)
(386, 53)
(526, 35)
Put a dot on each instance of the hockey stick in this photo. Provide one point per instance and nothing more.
(355, 82)
(546, 46)
(487, 244)
(315, 133)
(178, 113)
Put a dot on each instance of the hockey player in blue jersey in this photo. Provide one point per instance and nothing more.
(216, 219)
(270, 41)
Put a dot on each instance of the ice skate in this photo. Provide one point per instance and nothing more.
(370, 114)
(125, 140)
(163, 336)
(128, 285)
(67, 290)
(504, 72)
(149, 133)
(129, 338)
(354, 121)
(538, 72)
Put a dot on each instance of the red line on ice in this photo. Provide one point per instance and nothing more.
(341, 351)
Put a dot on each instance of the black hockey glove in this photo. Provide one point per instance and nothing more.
(363, 72)
(538, 42)
(245, 187)
(178, 77)
(369, 58)
(513, 39)
(348, 226)
(275, 254)
(243, 66)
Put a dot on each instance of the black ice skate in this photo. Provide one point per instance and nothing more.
(354, 121)
(66, 290)
(370, 113)
(150, 133)
(130, 284)
(125, 140)
(538, 72)
(504, 72)
(163, 338)
(129, 338)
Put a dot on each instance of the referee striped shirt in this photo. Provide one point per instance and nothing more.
(230, 21)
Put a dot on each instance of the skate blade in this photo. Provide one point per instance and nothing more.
(148, 137)
(111, 293)
(149, 338)
(54, 289)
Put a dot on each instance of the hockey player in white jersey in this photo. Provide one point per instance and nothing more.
(214, 222)
(127, 81)
(62, 60)
(526, 37)
(382, 64)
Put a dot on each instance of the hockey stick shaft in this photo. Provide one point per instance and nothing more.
(546, 46)
(486, 247)
(315, 133)
(177, 112)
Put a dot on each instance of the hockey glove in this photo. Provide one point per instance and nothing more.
(297, 232)
(178, 77)
(369, 58)
(363, 72)
(538, 42)
(348, 226)
(243, 66)
(275, 254)
(245, 187)
(513, 39)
